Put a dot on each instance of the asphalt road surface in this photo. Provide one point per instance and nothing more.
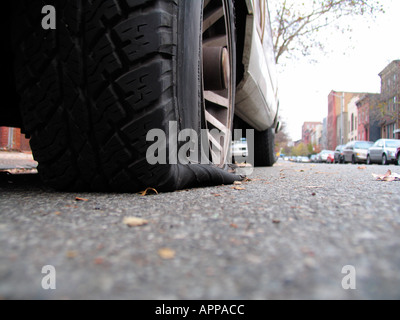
(289, 233)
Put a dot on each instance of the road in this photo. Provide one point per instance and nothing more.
(286, 234)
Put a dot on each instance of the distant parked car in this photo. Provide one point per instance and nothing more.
(304, 159)
(313, 158)
(338, 155)
(383, 151)
(239, 148)
(331, 158)
(398, 156)
(356, 151)
(323, 155)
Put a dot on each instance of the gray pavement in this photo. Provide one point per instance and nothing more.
(286, 234)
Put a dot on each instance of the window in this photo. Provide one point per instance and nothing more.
(394, 129)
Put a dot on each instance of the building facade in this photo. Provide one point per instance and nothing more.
(11, 139)
(368, 117)
(338, 118)
(352, 124)
(309, 130)
(390, 101)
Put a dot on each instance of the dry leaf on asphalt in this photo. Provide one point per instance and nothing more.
(239, 188)
(81, 199)
(237, 183)
(362, 167)
(388, 177)
(166, 253)
(71, 254)
(134, 221)
(145, 192)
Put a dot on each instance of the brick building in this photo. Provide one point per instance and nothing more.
(308, 131)
(11, 139)
(368, 118)
(337, 121)
(390, 100)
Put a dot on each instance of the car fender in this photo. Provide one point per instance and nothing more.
(257, 93)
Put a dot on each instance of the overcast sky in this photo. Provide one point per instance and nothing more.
(352, 66)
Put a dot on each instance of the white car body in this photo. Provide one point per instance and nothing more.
(239, 149)
(257, 93)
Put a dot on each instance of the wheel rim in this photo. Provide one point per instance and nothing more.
(218, 80)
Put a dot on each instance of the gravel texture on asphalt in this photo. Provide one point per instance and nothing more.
(286, 234)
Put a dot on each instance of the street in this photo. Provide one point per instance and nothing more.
(286, 232)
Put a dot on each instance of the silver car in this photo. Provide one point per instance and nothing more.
(383, 151)
(324, 154)
(356, 151)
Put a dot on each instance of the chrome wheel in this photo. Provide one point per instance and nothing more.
(218, 77)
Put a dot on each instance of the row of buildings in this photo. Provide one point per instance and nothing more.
(359, 116)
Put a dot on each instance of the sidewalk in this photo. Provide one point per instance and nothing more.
(10, 160)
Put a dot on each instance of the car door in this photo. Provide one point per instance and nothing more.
(375, 151)
(347, 152)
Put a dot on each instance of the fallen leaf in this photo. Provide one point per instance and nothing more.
(236, 183)
(99, 260)
(313, 194)
(388, 177)
(57, 213)
(234, 225)
(166, 253)
(216, 194)
(71, 254)
(145, 192)
(81, 199)
(276, 221)
(362, 167)
(134, 221)
(239, 188)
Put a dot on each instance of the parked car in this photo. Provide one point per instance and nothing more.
(338, 155)
(304, 159)
(100, 93)
(398, 156)
(324, 154)
(356, 151)
(383, 151)
(313, 158)
(331, 158)
(239, 148)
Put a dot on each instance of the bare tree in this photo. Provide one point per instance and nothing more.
(295, 23)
